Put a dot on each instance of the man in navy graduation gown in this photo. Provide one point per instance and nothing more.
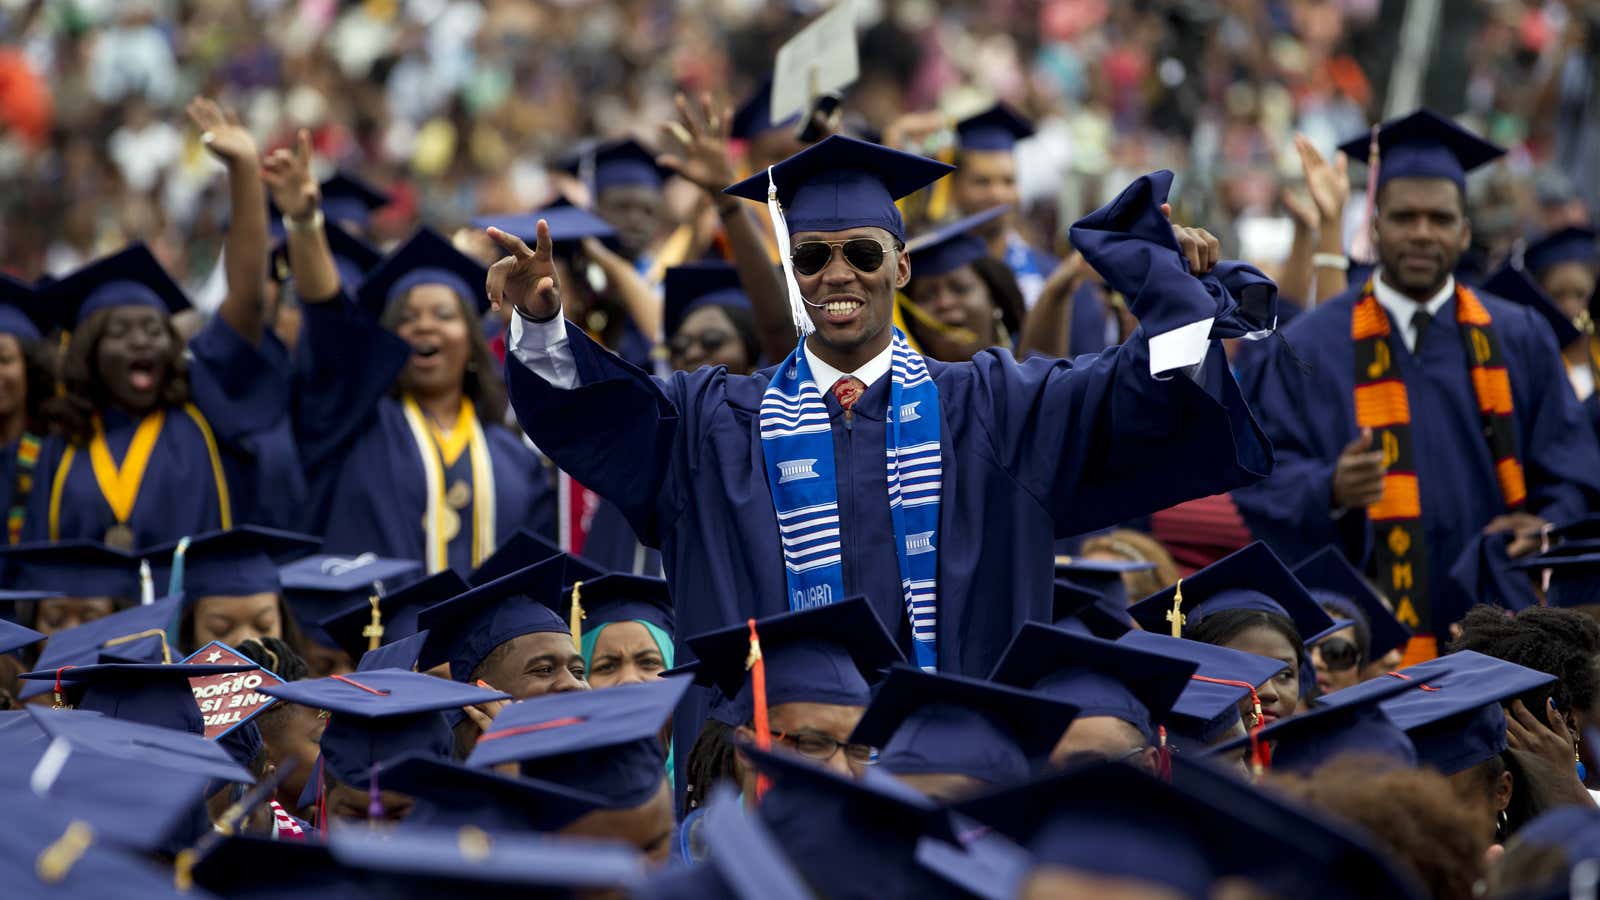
(1330, 471)
(1028, 451)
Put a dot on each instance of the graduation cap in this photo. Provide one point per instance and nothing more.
(1252, 578)
(471, 862)
(949, 247)
(425, 258)
(22, 312)
(353, 258)
(997, 128)
(351, 627)
(754, 116)
(350, 198)
(1081, 610)
(1101, 678)
(988, 865)
(51, 853)
(1515, 285)
(72, 568)
(569, 226)
(400, 654)
(242, 867)
(1573, 579)
(606, 743)
(1572, 831)
(380, 715)
(927, 723)
(1209, 704)
(136, 633)
(525, 548)
(132, 741)
(1303, 742)
(1114, 820)
(452, 795)
(465, 629)
(621, 597)
(850, 837)
(619, 163)
(130, 803)
(1330, 576)
(1104, 576)
(317, 586)
(1423, 144)
(825, 654)
(15, 637)
(1455, 720)
(841, 183)
(132, 277)
(1564, 246)
(686, 288)
(743, 860)
(233, 563)
(148, 693)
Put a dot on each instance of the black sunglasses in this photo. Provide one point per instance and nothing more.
(863, 255)
(1339, 654)
(709, 340)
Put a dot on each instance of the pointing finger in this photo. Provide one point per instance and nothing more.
(541, 236)
(510, 243)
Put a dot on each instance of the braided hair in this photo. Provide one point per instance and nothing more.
(712, 760)
(1560, 642)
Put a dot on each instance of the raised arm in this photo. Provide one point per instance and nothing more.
(245, 250)
(287, 173)
(703, 159)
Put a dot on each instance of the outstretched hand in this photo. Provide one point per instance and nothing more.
(527, 278)
(1199, 246)
(1328, 184)
(222, 133)
(702, 139)
(288, 176)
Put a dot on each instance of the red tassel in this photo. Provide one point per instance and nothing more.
(758, 692)
(1163, 755)
(1260, 753)
(322, 800)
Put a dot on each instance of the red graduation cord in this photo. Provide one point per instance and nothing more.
(758, 692)
(529, 729)
(1260, 753)
(1163, 756)
(354, 683)
(1404, 677)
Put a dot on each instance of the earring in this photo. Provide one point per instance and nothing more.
(1501, 826)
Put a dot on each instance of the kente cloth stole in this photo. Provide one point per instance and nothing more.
(1400, 555)
(797, 444)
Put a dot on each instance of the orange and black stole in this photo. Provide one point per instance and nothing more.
(1400, 559)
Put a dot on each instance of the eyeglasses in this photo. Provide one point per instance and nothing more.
(710, 341)
(863, 255)
(1088, 757)
(821, 748)
(1339, 654)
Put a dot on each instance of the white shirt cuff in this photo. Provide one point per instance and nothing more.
(1182, 348)
(543, 348)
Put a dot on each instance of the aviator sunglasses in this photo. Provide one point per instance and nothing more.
(863, 255)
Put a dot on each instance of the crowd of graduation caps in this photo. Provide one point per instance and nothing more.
(325, 476)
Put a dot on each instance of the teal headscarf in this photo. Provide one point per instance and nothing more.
(591, 636)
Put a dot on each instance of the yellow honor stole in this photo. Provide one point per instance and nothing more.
(438, 451)
(120, 485)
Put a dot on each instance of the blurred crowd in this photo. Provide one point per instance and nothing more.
(456, 106)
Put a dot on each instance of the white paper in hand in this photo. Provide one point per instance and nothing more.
(821, 59)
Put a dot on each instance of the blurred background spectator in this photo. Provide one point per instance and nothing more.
(456, 106)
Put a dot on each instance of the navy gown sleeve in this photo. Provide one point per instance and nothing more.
(618, 431)
(348, 362)
(1560, 460)
(242, 388)
(1102, 441)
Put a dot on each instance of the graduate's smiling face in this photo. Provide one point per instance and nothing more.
(134, 355)
(958, 300)
(983, 180)
(432, 319)
(1421, 231)
(853, 309)
(531, 665)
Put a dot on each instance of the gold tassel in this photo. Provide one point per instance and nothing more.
(1175, 616)
(374, 630)
(57, 860)
(576, 618)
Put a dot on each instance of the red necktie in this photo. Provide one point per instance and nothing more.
(847, 390)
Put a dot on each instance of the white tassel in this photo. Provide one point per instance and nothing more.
(147, 586)
(780, 230)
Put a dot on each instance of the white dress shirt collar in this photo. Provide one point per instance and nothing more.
(869, 373)
(1401, 308)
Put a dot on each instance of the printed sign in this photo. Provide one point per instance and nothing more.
(821, 59)
(230, 700)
